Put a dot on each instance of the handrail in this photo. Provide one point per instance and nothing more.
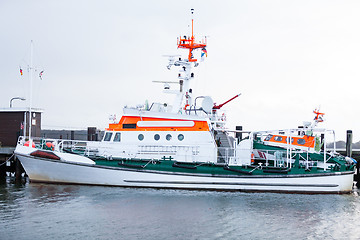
(227, 155)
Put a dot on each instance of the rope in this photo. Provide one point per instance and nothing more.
(7, 160)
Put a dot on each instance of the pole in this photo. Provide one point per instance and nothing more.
(324, 141)
(349, 143)
(31, 83)
(25, 125)
(18, 170)
(192, 24)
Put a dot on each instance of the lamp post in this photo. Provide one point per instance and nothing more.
(20, 98)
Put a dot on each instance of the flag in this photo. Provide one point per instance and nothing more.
(203, 54)
(40, 74)
(21, 71)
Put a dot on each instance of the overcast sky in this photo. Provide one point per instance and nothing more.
(285, 57)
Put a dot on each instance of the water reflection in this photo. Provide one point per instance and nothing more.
(51, 193)
(79, 212)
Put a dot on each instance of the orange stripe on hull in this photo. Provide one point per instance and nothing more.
(129, 123)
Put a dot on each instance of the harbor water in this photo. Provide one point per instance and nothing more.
(48, 211)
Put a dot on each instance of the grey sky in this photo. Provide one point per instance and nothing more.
(285, 57)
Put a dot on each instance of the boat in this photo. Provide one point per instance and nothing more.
(186, 145)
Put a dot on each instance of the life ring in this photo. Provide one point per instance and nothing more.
(50, 146)
(252, 158)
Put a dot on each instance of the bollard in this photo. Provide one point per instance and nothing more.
(357, 175)
(349, 143)
(2, 169)
(349, 138)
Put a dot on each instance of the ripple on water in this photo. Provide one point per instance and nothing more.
(44, 211)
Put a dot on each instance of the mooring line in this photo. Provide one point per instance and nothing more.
(7, 160)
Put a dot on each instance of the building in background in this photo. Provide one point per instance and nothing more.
(14, 122)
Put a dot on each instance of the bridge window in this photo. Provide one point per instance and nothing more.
(129, 125)
(117, 137)
(268, 137)
(107, 136)
(141, 137)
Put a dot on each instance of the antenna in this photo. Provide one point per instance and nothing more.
(31, 83)
(189, 42)
(192, 23)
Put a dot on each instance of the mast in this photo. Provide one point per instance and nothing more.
(185, 72)
(31, 83)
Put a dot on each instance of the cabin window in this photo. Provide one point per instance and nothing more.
(268, 137)
(301, 141)
(107, 136)
(117, 137)
(156, 137)
(168, 137)
(278, 138)
(129, 125)
(180, 137)
(291, 141)
(141, 137)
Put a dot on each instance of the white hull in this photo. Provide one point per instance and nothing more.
(54, 171)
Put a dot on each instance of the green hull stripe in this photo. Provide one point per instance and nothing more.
(234, 183)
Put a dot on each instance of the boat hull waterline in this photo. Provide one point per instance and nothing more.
(53, 171)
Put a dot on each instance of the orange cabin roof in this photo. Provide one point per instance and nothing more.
(131, 123)
(305, 141)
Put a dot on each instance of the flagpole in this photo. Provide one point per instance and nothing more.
(25, 125)
(31, 83)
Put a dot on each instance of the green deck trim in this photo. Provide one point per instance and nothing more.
(210, 168)
(170, 166)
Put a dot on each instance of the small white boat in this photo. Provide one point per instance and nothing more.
(185, 145)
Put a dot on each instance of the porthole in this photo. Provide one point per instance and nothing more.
(141, 137)
(180, 137)
(156, 137)
(168, 137)
(301, 141)
(278, 138)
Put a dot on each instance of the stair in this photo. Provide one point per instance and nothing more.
(225, 145)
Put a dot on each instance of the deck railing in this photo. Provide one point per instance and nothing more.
(277, 158)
